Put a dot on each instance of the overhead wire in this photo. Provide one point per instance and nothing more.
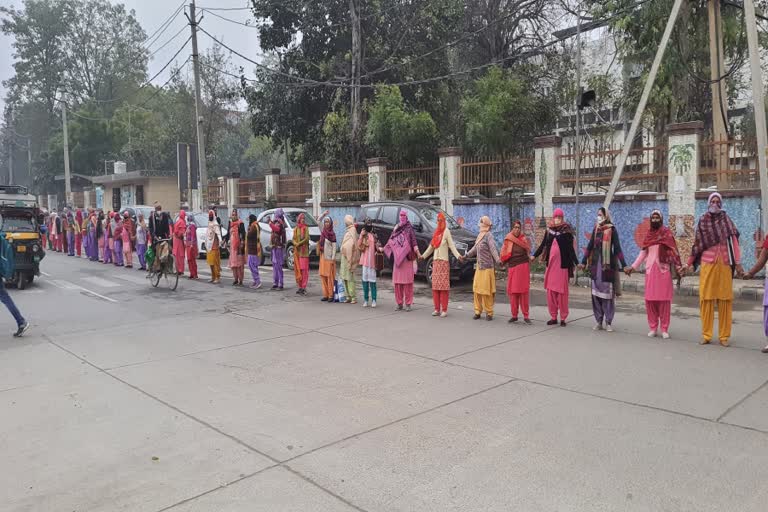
(149, 41)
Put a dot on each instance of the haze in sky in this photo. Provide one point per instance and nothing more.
(151, 14)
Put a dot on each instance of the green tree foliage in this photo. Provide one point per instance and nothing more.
(502, 114)
(398, 133)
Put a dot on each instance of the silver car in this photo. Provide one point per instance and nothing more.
(291, 215)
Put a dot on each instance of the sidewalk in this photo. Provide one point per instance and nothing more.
(689, 286)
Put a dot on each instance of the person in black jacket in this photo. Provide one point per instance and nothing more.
(560, 257)
(159, 224)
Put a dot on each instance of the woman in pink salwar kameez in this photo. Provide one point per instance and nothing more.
(179, 251)
(660, 255)
(560, 257)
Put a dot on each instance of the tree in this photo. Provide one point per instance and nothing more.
(502, 115)
(397, 133)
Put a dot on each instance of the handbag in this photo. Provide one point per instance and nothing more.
(339, 292)
(379, 262)
(329, 250)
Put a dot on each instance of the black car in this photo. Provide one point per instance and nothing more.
(386, 215)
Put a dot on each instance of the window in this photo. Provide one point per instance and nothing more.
(413, 217)
(116, 199)
(139, 194)
(389, 215)
(293, 218)
(370, 212)
(431, 215)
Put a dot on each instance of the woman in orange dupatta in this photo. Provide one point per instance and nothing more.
(179, 250)
(515, 253)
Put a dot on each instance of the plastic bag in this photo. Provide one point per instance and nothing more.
(339, 292)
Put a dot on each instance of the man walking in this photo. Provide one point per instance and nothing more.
(6, 268)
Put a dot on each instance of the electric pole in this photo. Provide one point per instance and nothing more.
(192, 17)
(10, 158)
(719, 92)
(356, 112)
(759, 102)
(67, 178)
(577, 190)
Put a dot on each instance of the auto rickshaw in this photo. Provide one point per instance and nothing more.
(22, 219)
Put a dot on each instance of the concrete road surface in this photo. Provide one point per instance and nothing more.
(128, 398)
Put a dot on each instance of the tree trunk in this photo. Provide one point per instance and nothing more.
(355, 104)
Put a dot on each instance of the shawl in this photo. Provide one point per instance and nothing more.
(328, 233)
(234, 235)
(180, 228)
(606, 230)
(349, 243)
(713, 229)
(664, 238)
(437, 238)
(300, 232)
(191, 234)
(515, 250)
(401, 243)
(214, 231)
(485, 228)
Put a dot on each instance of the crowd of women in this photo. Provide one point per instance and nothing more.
(109, 239)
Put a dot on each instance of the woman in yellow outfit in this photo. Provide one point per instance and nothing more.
(716, 249)
(484, 285)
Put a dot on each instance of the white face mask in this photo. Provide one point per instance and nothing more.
(558, 221)
(600, 218)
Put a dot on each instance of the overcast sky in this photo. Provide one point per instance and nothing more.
(151, 14)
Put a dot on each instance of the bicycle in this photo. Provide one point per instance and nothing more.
(165, 269)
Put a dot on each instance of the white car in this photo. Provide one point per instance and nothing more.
(291, 215)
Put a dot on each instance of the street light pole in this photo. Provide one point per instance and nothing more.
(67, 177)
(198, 109)
(577, 153)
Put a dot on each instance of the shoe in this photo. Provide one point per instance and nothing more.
(598, 327)
(399, 307)
(552, 322)
(348, 301)
(365, 304)
(353, 301)
(235, 283)
(256, 286)
(408, 308)
(21, 330)
(765, 350)
(562, 323)
(609, 328)
(665, 335)
(476, 317)
(725, 343)
(373, 304)
(528, 321)
(651, 334)
(298, 292)
(489, 318)
(324, 299)
(704, 341)
(435, 313)
(274, 287)
(512, 320)
(443, 314)
(279, 288)
(303, 292)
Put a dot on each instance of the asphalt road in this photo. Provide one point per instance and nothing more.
(212, 398)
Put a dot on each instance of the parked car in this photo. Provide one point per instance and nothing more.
(291, 216)
(201, 221)
(423, 216)
(133, 211)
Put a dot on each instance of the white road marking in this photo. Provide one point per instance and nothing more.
(66, 285)
(91, 292)
(104, 283)
(46, 274)
(138, 278)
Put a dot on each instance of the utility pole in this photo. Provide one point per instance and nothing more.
(356, 112)
(578, 131)
(759, 102)
(67, 178)
(198, 109)
(719, 92)
(643, 101)
(10, 158)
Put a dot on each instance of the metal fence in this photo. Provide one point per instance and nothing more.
(644, 171)
(215, 192)
(411, 182)
(482, 177)
(294, 189)
(728, 164)
(251, 191)
(351, 185)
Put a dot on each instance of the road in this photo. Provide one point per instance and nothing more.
(129, 398)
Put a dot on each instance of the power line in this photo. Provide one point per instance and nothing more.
(164, 26)
(224, 8)
(229, 19)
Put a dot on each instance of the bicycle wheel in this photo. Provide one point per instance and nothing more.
(155, 279)
(172, 274)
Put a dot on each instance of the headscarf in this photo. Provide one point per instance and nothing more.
(300, 232)
(606, 229)
(564, 227)
(402, 241)
(349, 243)
(662, 237)
(485, 228)
(713, 229)
(191, 234)
(180, 228)
(279, 214)
(214, 230)
(515, 250)
(437, 238)
(79, 217)
(328, 233)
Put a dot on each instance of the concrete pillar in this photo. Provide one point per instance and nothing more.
(272, 183)
(547, 174)
(377, 179)
(231, 190)
(450, 177)
(53, 202)
(319, 186)
(683, 172)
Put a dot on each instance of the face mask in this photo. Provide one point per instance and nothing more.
(600, 219)
(210, 218)
(558, 221)
(714, 208)
(655, 224)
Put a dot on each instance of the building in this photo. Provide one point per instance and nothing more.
(116, 191)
